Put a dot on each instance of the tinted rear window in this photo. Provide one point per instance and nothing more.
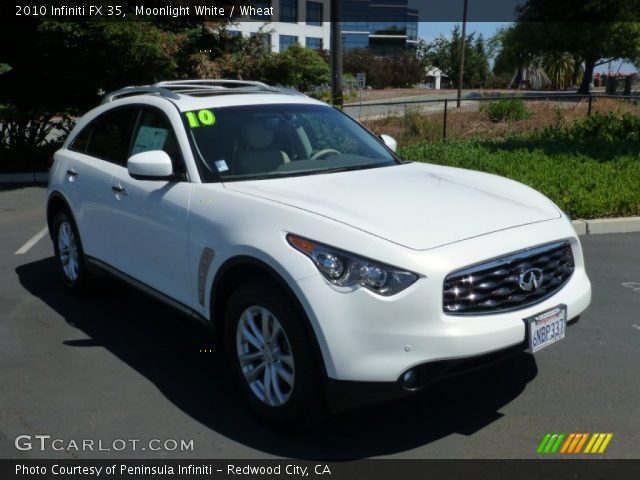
(111, 135)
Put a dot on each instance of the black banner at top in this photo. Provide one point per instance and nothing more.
(318, 12)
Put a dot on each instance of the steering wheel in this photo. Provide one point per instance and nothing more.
(325, 152)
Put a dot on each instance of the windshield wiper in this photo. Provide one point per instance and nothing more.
(350, 168)
(304, 173)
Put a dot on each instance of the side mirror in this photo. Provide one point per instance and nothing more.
(389, 142)
(152, 165)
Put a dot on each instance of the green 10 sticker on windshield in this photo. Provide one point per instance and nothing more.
(201, 118)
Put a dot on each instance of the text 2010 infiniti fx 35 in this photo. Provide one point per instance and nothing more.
(321, 259)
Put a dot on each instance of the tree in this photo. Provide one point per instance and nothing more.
(76, 58)
(405, 69)
(514, 51)
(476, 62)
(562, 69)
(300, 67)
(246, 58)
(444, 53)
(251, 59)
(52, 69)
(592, 42)
(402, 69)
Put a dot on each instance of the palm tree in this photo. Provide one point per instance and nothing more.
(562, 69)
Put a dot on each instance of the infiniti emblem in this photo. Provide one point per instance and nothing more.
(530, 279)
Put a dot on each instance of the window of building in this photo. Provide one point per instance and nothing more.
(265, 38)
(233, 42)
(286, 41)
(388, 28)
(289, 11)
(355, 40)
(412, 31)
(315, 43)
(314, 13)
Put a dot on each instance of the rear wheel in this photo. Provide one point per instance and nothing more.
(69, 254)
(272, 356)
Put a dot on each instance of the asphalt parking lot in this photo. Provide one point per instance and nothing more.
(118, 365)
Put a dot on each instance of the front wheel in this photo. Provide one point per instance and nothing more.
(272, 356)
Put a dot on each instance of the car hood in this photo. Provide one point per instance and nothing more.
(419, 206)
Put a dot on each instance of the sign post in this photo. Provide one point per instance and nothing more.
(361, 78)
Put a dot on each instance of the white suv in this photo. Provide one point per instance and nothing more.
(324, 262)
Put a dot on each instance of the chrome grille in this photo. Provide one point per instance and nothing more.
(495, 286)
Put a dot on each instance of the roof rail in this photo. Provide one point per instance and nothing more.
(127, 91)
(172, 89)
(220, 83)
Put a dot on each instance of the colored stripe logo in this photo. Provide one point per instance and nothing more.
(574, 443)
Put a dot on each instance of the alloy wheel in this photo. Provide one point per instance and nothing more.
(265, 356)
(68, 251)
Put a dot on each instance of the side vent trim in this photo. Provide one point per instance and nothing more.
(203, 269)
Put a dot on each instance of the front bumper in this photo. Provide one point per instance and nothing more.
(367, 338)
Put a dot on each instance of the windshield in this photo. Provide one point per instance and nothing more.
(271, 141)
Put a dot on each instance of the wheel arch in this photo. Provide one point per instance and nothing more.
(57, 202)
(238, 269)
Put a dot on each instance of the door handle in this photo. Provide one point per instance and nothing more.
(119, 190)
(72, 172)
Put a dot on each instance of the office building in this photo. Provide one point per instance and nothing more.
(293, 21)
(382, 26)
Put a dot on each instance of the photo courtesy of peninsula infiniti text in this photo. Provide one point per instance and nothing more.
(324, 264)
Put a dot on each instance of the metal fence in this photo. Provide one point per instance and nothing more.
(442, 119)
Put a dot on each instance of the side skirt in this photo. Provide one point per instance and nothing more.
(95, 264)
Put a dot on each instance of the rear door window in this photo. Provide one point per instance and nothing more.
(111, 134)
(81, 141)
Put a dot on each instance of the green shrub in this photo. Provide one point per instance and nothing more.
(29, 138)
(299, 67)
(608, 127)
(506, 109)
(400, 70)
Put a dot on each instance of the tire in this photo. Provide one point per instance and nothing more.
(69, 255)
(286, 365)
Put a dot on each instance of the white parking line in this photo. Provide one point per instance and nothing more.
(32, 241)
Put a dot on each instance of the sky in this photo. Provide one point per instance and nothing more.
(431, 30)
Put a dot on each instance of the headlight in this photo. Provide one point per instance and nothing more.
(346, 269)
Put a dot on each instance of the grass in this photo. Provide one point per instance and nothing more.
(587, 179)
(474, 121)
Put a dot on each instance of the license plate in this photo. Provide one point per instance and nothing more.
(547, 328)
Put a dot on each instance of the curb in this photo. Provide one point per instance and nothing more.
(607, 225)
(583, 227)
